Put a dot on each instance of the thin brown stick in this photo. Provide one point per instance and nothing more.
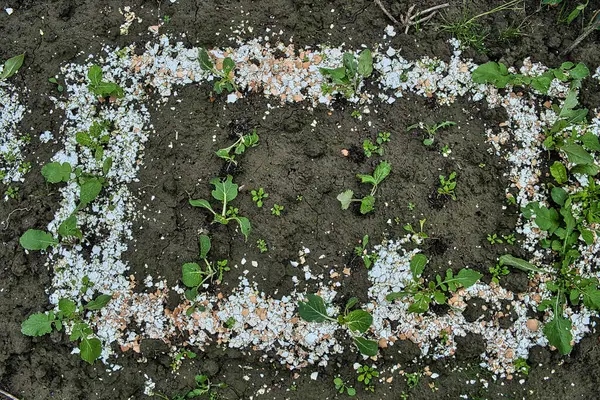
(591, 28)
(430, 9)
(386, 12)
(8, 395)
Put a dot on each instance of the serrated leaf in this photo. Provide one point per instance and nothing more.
(382, 171)
(35, 239)
(99, 302)
(577, 154)
(365, 63)
(224, 191)
(67, 307)
(420, 304)
(518, 263)
(558, 333)
(493, 73)
(359, 320)
(56, 172)
(367, 204)
(366, 179)
(559, 172)
(204, 245)
(11, 66)
(313, 309)
(37, 325)
(89, 191)
(366, 347)
(417, 265)
(192, 274)
(345, 198)
(90, 349)
(80, 331)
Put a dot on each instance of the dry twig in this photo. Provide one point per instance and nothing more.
(8, 395)
(410, 19)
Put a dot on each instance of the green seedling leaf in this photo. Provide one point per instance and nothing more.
(345, 198)
(559, 172)
(83, 139)
(491, 72)
(366, 347)
(579, 72)
(89, 191)
(90, 349)
(547, 219)
(313, 310)
(365, 63)
(95, 74)
(586, 169)
(590, 141)
(245, 226)
(226, 190)
(99, 302)
(192, 274)
(558, 333)
(359, 320)
(577, 154)
(519, 263)
(80, 331)
(467, 277)
(351, 302)
(591, 298)
(228, 65)
(396, 295)
(587, 236)
(35, 239)
(11, 66)
(204, 245)
(559, 195)
(382, 171)
(366, 179)
(107, 165)
(417, 265)
(420, 304)
(67, 307)
(367, 204)
(204, 60)
(201, 203)
(56, 172)
(68, 228)
(350, 64)
(37, 325)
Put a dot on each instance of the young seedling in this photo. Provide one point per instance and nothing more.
(95, 139)
(204, 387)
(69, 314)
(11, 66)
(498, 271)
(366, 375)
(361, 251)
(430, 130)
(370, 148)
(493, 239)
(342, 387)
(417, 237)
(411, 206)
(348, 78)
(239, 147)
(277, 209)
(521, 366)
(357, 322)
(447, 186)
(176, 362)
(258, 196)
(261, 245)
(194, 275)
(446, 151)
(59, 87)
(412, 379)
(367, 203)
(102, 88)
(438, 291)
(226, 75)
(510, 239)
(225, 191)
(355, 114)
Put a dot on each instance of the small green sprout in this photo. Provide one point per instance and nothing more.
(347, 78)
(262, 245)
(226, 75)
(102, 88)
(11, 192)
(204, 387)
(446, 151)
(521, 366)
(181, 354)
(412, 379)
(230, 323)
(447, 186)
(361, 251)
(355, 114)
(239, 147)
(371, 148)
(498, 271)
(342, 387)
(277, 209)
(225, 191)
(59, 87)
(417, 237)
(367, 203)
(366, 375)
(430, 130)
(510, 239)
(411, 206)
(166, 19)
(493, 239)
(258, 196)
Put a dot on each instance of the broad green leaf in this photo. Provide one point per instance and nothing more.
(228, 65)
(67, 307)
(245, 226)
(577, 154)
(204, 60)
(192, 275)
(89, 191)
(313, 310)
(80, 331)
(107, 89)
(226, 190)
(11, 66)
(345, 198)
(420, 304)
(351, 302)
(559, 172)
(68, 228)
(382, 171)
(491, 72)
(467, 277)
(95, 74)
(365, 63)
(590, 141)
(366, 179)
(99, 302)
(587, 236)
(519, 263)
(439, 297)
(366, 347)
(359, 320)
(585, 169)
(579, 72)
(559, 195)
(56, 172)
(204, 245)
(107, 165)
(90, 349)
(546, 219)
(350, 64)
(201, 203)
(83, 139)
(367, 204)
(35, 239)
(591, 298)
(37, 325)
(417, 265)
(558, 333)
(542, 83)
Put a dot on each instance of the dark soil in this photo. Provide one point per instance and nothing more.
(293, 159)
